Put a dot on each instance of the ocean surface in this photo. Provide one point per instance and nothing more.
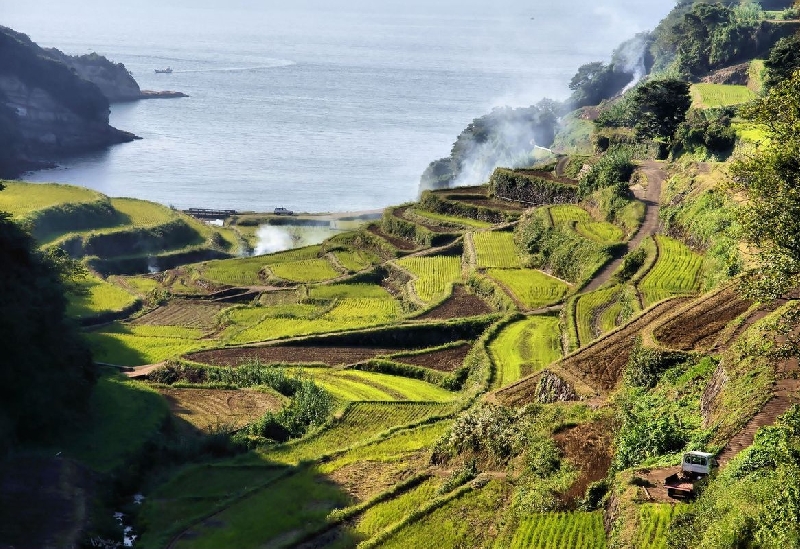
(311, 105)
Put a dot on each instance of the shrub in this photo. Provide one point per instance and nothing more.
(611, 170)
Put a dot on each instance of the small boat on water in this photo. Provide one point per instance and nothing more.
(168, 70)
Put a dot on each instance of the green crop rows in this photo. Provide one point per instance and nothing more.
(525, 347)
(473, 223)
(20, 200)
(555, 530)
(354, 385)
(332, 291)
(720, 95)
(356, 260)
(435, 274)
(654, 520)
(305, 270)
(588, 309)
(533, 288)
(97, 296)
(496, 250)
(253, 324)
(143, 214)
(676, 271)
(361, 421)
(601, 232)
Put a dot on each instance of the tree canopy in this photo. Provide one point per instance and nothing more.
(46, 371)
(783, 60)
(660, 107)
(770, 177)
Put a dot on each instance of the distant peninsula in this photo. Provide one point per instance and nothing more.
(53, 105)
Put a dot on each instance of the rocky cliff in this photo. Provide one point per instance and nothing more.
(46, 109)
(113, 79)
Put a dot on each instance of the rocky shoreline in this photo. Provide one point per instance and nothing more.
(54, 105)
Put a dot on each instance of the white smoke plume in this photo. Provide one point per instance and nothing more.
(272, 239)
(630, 58)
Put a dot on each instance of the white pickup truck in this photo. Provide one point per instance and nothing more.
(694, 466)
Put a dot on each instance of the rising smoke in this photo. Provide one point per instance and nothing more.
(633, 57)
(505, 137)
(272, 239)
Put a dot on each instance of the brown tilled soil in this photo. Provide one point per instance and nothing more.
(289, 354)
(753, 317)
(600, 364)
(209, 409)
(430, 225)
(364, 479)
(588, 448)
(495, 204)
(460, 304)
(697, 327)
(475, 189)
(445, 360)
(651, 482)
(183, 312)
(399, 243)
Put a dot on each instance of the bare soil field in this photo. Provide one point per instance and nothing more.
(207, 409)
(445, 360)
(460, 304)
(364, 479)
(698, 326)
(493, 203)
(399, 243)
(289, 354)
(430, 225)
(588, 448)
(182, 312)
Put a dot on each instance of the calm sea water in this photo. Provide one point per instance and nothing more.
(324, 106)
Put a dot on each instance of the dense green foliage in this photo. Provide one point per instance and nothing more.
(569, 255)
(783, 61)
(771, 178)
(754, 502)
(530, 188)
(614, 169)
(46, 373)
(660, 107)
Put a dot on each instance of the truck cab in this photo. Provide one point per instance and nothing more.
(697, 463)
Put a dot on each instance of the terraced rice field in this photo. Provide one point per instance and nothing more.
(354, 385)
(385, 514)
(356, 260)
(213, 410)
(532, 288)
(706, 96)
(676, 271)
(465, 521)
(435, 275)
(249, 271)
(253, 324)
(139, 345)
(142, 213)
(525, 347)
(577, 530)
(305, 270)
(182, 312)
(18, 200)
(361, 422)
(654, 519)
(595, 313)
(601, 232)
(99, 297)
(496, 250)
(451, 219)
(362, 291)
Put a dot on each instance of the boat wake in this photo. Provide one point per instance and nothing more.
(276, 65)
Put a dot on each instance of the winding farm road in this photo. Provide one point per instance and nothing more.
(656, 175)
